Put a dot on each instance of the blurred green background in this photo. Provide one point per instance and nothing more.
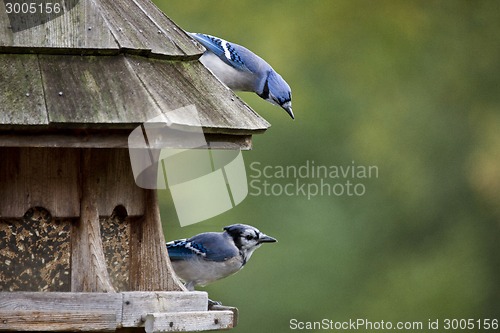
(412, 87)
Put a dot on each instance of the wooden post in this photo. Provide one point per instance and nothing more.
(150, 267)
(88, 264)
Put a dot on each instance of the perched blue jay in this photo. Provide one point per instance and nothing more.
(241, 69)
(211, 256)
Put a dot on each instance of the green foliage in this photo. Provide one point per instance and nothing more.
(408, 86)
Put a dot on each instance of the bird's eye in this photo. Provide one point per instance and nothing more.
(249, 237)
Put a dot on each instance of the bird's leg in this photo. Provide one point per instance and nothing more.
(190, 286)
(213, 303)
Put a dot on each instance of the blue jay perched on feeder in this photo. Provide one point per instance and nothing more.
(241, 69)
(211, 256)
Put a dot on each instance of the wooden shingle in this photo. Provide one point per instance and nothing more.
(22, 100)
(78, 28)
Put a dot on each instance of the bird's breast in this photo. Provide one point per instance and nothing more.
(203, 272)
(233, 78)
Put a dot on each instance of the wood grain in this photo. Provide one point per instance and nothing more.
(97, 27)
(88, 263)
(189, 321)
(39, 177)
(140, 27)
(110, 139)
(113, 182)
(220, 110)
(102, 321)
(22, 100)
(78, 27)
(137, 304)
(150, 267)
(98, 311)
(86, 90)
(61, 301)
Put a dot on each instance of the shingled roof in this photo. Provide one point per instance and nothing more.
(100, 68)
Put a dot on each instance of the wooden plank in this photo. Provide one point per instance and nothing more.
(189, 83)
(78, 26)
(13, 189)
(150, 267)
(137, 304)
(52, 179)
(230, 112)
(171, 34)
(226, 308)
(62, 301)
(113, 182)
(86, 90)
(140, 26)
(91, 26)
(74, 139)
(88, 263)
(5, 32)
(188, 321)
(109, 139)
(49, 177)
(60, 321)
(39, 177)
(83, 92)
(21, 93)
(58, 311)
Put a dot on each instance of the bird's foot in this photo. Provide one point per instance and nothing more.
(213, 303)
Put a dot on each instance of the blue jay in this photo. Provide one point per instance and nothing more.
(241, 69)
(211, 256)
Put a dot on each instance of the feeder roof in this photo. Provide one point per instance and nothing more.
(106, 65)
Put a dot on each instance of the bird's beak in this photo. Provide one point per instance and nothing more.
(266, 239)
(288, 109)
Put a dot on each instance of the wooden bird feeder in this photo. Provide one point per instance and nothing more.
(81, 245)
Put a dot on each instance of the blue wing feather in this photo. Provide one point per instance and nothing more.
(207, 246)
(183, 249)
(226, 51)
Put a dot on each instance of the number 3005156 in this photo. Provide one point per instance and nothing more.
(33, 8)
